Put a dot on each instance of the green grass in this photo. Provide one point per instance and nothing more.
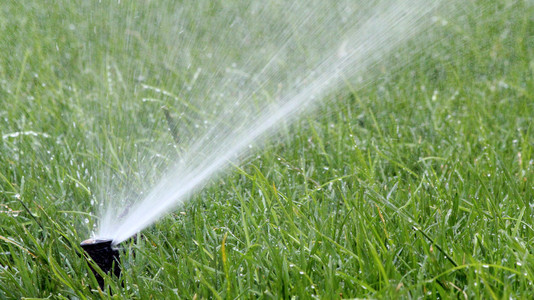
(420, 184)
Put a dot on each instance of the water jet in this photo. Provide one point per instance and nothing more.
(252, 77)
(106, 257)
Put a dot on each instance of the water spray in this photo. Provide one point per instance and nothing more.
(104, 255)
(304, 52)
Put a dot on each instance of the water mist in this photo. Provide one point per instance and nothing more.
(261, 64)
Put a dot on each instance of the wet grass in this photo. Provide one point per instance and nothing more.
(418, 185)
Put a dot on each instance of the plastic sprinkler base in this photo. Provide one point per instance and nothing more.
(106, 257)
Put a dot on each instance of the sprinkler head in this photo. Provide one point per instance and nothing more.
(106, 257)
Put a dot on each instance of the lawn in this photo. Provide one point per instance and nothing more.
(418, 183)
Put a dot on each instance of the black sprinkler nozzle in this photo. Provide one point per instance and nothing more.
(104, 255)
